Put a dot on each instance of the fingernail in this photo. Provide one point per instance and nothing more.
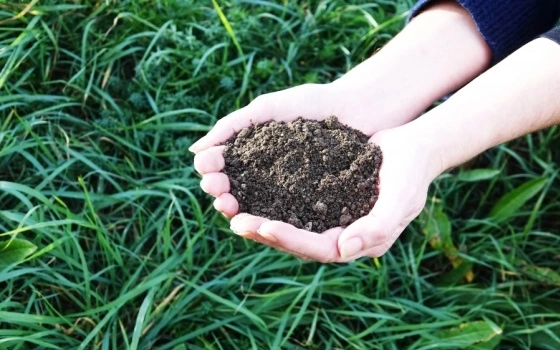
(237, 232)
(232, 226)
(267, 236)
(194, 147)
(351, 247)
(233, 223)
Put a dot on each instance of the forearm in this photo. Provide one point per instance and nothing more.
(516, 97)
(507, 25)
(437, 53)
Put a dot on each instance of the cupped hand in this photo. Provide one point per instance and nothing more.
(409, 165)
(353, 103)
(403, 183)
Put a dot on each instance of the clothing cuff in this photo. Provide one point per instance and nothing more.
(553, 35)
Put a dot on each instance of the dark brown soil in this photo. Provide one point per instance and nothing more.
(313, 175)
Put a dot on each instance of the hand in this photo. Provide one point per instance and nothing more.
(383, 92)
(410, 163)
(344, 98)
(415, 153)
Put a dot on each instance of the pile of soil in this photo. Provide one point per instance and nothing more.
(313, 175)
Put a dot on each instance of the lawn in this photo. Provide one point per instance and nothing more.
(107, 242)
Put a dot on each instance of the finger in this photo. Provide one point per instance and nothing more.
(227, 205)
(215, 184)
(246, 226)
(210, 160)
(318, 247)
(243, 224)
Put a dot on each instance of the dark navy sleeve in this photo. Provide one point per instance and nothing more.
(507, 25)
(553, 35)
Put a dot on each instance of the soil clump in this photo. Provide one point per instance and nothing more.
(315, 175)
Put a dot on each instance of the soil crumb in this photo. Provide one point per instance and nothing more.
(313, 175)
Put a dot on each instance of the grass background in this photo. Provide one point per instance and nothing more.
(99, 101)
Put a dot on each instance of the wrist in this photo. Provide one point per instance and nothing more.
(453, 133)
(437, 53)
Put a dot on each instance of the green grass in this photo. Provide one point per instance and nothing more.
(99, 101)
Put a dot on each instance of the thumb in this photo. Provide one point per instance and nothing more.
(375, 233)
(254, 113)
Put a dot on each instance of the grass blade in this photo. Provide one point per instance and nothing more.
(510, 203)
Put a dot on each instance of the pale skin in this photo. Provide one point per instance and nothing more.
(437, 53)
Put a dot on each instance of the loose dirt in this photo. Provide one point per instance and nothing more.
(313, 175)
